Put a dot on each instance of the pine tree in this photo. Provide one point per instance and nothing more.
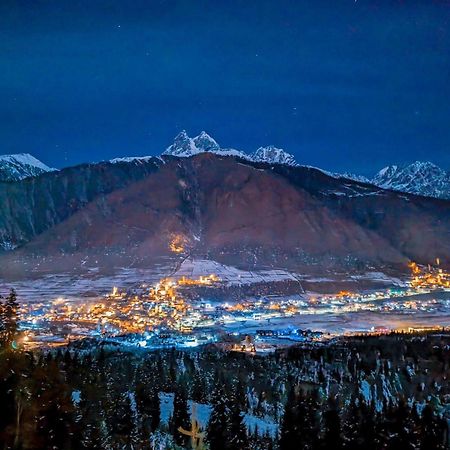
(218, 422)
(2, 321)
(180, 417)
(10, 317)
(148, 406)
(352, 425)
(400, 436)
(198, 387)
(289, 425)
(432, 430)
(54, 413)
(237, 430)
(370, 439)
(122, 425)
(9, 380)
(332, 421)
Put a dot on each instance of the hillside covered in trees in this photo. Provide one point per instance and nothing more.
(386, 392)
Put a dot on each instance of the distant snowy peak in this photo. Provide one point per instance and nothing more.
(185, 146)
(273, 155)
(204, 142)
(19, 166)
(421, 178)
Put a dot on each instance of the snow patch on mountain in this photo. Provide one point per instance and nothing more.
(353, 176)
(21, 165)
(128, 159)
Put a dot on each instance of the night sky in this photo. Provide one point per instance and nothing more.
(344, 85)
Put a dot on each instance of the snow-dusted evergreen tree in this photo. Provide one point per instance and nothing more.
(289, 425)
(180, 417)
(217, 430)
(121, 422)
(9, 317)
(237, 430)
(148, 408)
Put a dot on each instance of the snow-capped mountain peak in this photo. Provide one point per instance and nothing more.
(185, 146)
(21, 165)
(272, 154)
(388, 172)
(205, 142)
(182, 145)
(421, 178)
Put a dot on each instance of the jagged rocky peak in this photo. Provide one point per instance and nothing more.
(205, 142)
(21, 165)
(185, 146)
(418, 170)
(182, 145)
(420, 177)
(272, 154)
(386, 173)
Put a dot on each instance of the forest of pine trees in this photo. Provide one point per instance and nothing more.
(359, 393)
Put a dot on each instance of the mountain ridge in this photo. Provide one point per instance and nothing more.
(236, 211)
(185, 146)
(16, 167)
(419, 178)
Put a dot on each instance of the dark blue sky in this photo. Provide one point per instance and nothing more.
(343, 85)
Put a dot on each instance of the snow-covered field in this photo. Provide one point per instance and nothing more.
(340, 322)
(231, 275)
(93, 283)
(73, 287)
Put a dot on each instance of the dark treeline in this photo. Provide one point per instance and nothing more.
(362, 393)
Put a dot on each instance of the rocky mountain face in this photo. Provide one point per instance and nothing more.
(19, 166)
(234, 210)
(34, 205)
(419, 178)
(273, 155)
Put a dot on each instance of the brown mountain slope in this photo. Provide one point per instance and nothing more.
(243, 212)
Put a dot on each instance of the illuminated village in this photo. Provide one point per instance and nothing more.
(431, 277)
(159, 315)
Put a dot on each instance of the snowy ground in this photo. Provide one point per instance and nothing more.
(231, 275)
(201, 413)
(73, 287)
(349, 322)
(92, 283)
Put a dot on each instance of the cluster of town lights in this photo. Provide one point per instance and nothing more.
(430, 276)
(162, 306)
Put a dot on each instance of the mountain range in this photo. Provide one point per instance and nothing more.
(255, 210)
(420, 178)
(184, 146)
